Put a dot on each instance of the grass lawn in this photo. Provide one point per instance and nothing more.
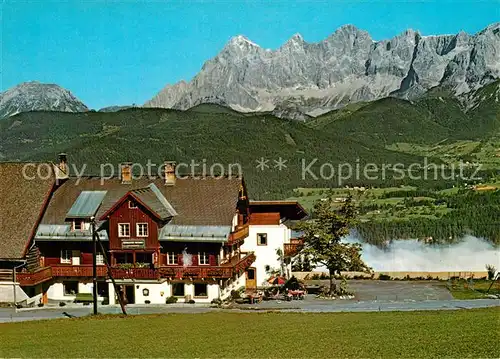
(462, 290)
(457, 334)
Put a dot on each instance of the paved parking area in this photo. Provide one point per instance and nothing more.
(395, 290)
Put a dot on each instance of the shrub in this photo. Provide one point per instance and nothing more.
(125, 265)
(62, 304)
(40, 305)
(105, 301)
(235, 294)
(147, 302)
(293, 284)
(217, 301)
(171, 300)
(191, 301)
(315, 276)
(491, 271)
(384, 277)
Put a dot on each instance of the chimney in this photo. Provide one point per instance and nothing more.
(169, 173)
(62, 169)
(126, 173)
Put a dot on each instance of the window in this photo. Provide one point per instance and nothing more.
(203, 258)
(200, 290)
(142, 229)
(172, 258)
(123, 229)
(70, 288)
(132, 204)
(143, 259)
(99, 259)
(250, 273)
(178, 289)
(77, 225)
(66, 255)
(262, 239)
(123, 258)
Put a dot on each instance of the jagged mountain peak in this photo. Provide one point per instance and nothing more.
(346, 67)
(242, 40)
(297, 37)
(37, 96)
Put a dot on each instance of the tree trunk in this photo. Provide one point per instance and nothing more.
(331, 283)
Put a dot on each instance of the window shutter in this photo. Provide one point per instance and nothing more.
(86, 258)
(212, 260)
(195, 259)
(179, 259)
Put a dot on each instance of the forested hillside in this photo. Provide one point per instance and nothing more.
(139, 135)
(388, 131)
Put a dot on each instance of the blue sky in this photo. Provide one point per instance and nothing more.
(123, 52)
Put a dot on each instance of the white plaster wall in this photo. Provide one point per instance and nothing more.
(7, 293)
(56, 291)
(212, 291)
(158, 292)
(277, 235)
(111, 292)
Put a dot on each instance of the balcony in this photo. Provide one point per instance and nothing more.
(238, 235)
(77, 270)
(135, 273)
(293, 248)
(34, 278)
(236, 265)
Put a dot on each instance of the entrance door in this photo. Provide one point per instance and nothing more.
(251, 278)
(129, 294)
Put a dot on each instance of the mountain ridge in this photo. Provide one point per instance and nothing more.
(346, 67)
(34, 95)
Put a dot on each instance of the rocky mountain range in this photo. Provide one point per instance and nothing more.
(36, 96)
(302, 79)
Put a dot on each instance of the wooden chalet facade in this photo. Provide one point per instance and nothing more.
(164, 237)
(185, 237)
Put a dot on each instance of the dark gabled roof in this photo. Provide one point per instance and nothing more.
(23, 197)
(149, 197)
(289, 210)
(209, 201)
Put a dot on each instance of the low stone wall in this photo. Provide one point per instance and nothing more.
(399, 275)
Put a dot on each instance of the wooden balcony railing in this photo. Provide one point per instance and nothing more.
(293, 248)
(238, 235)
(34, 278)
(135, 273)
(246, 260)
(223, 271)
(196, 272)
(77, 271)
(239, 264)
